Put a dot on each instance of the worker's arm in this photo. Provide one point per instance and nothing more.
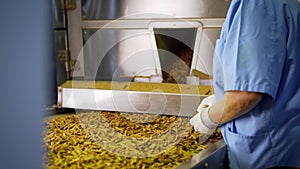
(233, 105)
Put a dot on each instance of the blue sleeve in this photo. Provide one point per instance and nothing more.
(254, 47)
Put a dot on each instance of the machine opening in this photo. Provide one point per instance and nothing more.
(177, 42)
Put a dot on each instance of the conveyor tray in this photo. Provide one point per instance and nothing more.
(214, 157)
(156, 98)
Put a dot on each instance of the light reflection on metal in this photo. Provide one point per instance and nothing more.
(212, 157)
(114, 9)
(130, 101)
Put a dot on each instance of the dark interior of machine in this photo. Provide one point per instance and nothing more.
(179, 42)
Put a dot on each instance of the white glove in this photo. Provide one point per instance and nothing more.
(201, 121)
(207, 102)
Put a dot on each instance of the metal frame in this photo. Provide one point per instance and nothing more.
(144, 23)
(75, 38)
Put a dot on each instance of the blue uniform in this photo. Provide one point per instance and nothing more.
(259, 51)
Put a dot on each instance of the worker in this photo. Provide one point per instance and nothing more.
(256, 80)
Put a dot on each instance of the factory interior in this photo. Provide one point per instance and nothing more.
(129, 76)
(118, 84)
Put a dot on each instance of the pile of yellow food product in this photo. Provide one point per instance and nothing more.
(118, 140)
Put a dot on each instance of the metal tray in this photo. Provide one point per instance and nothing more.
(213, 157)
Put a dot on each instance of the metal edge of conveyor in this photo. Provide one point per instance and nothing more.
(129, 101)
(214, 157)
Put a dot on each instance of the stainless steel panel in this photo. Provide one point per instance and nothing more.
(100, 54)
(112, 39)
(214, 157)
(58, 15)
(114, 9)
(103, 9)
(113, 54)
(203, 61)
(144, 23)
(130, 101)
(137, 15)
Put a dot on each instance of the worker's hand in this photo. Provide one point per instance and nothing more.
(201, 121)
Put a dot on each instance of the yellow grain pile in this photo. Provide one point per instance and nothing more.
(119, 140)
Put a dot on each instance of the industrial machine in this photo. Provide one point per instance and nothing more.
(144, 56)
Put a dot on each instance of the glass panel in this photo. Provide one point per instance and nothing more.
(60, 39)
(57, 14)
(60, 44)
